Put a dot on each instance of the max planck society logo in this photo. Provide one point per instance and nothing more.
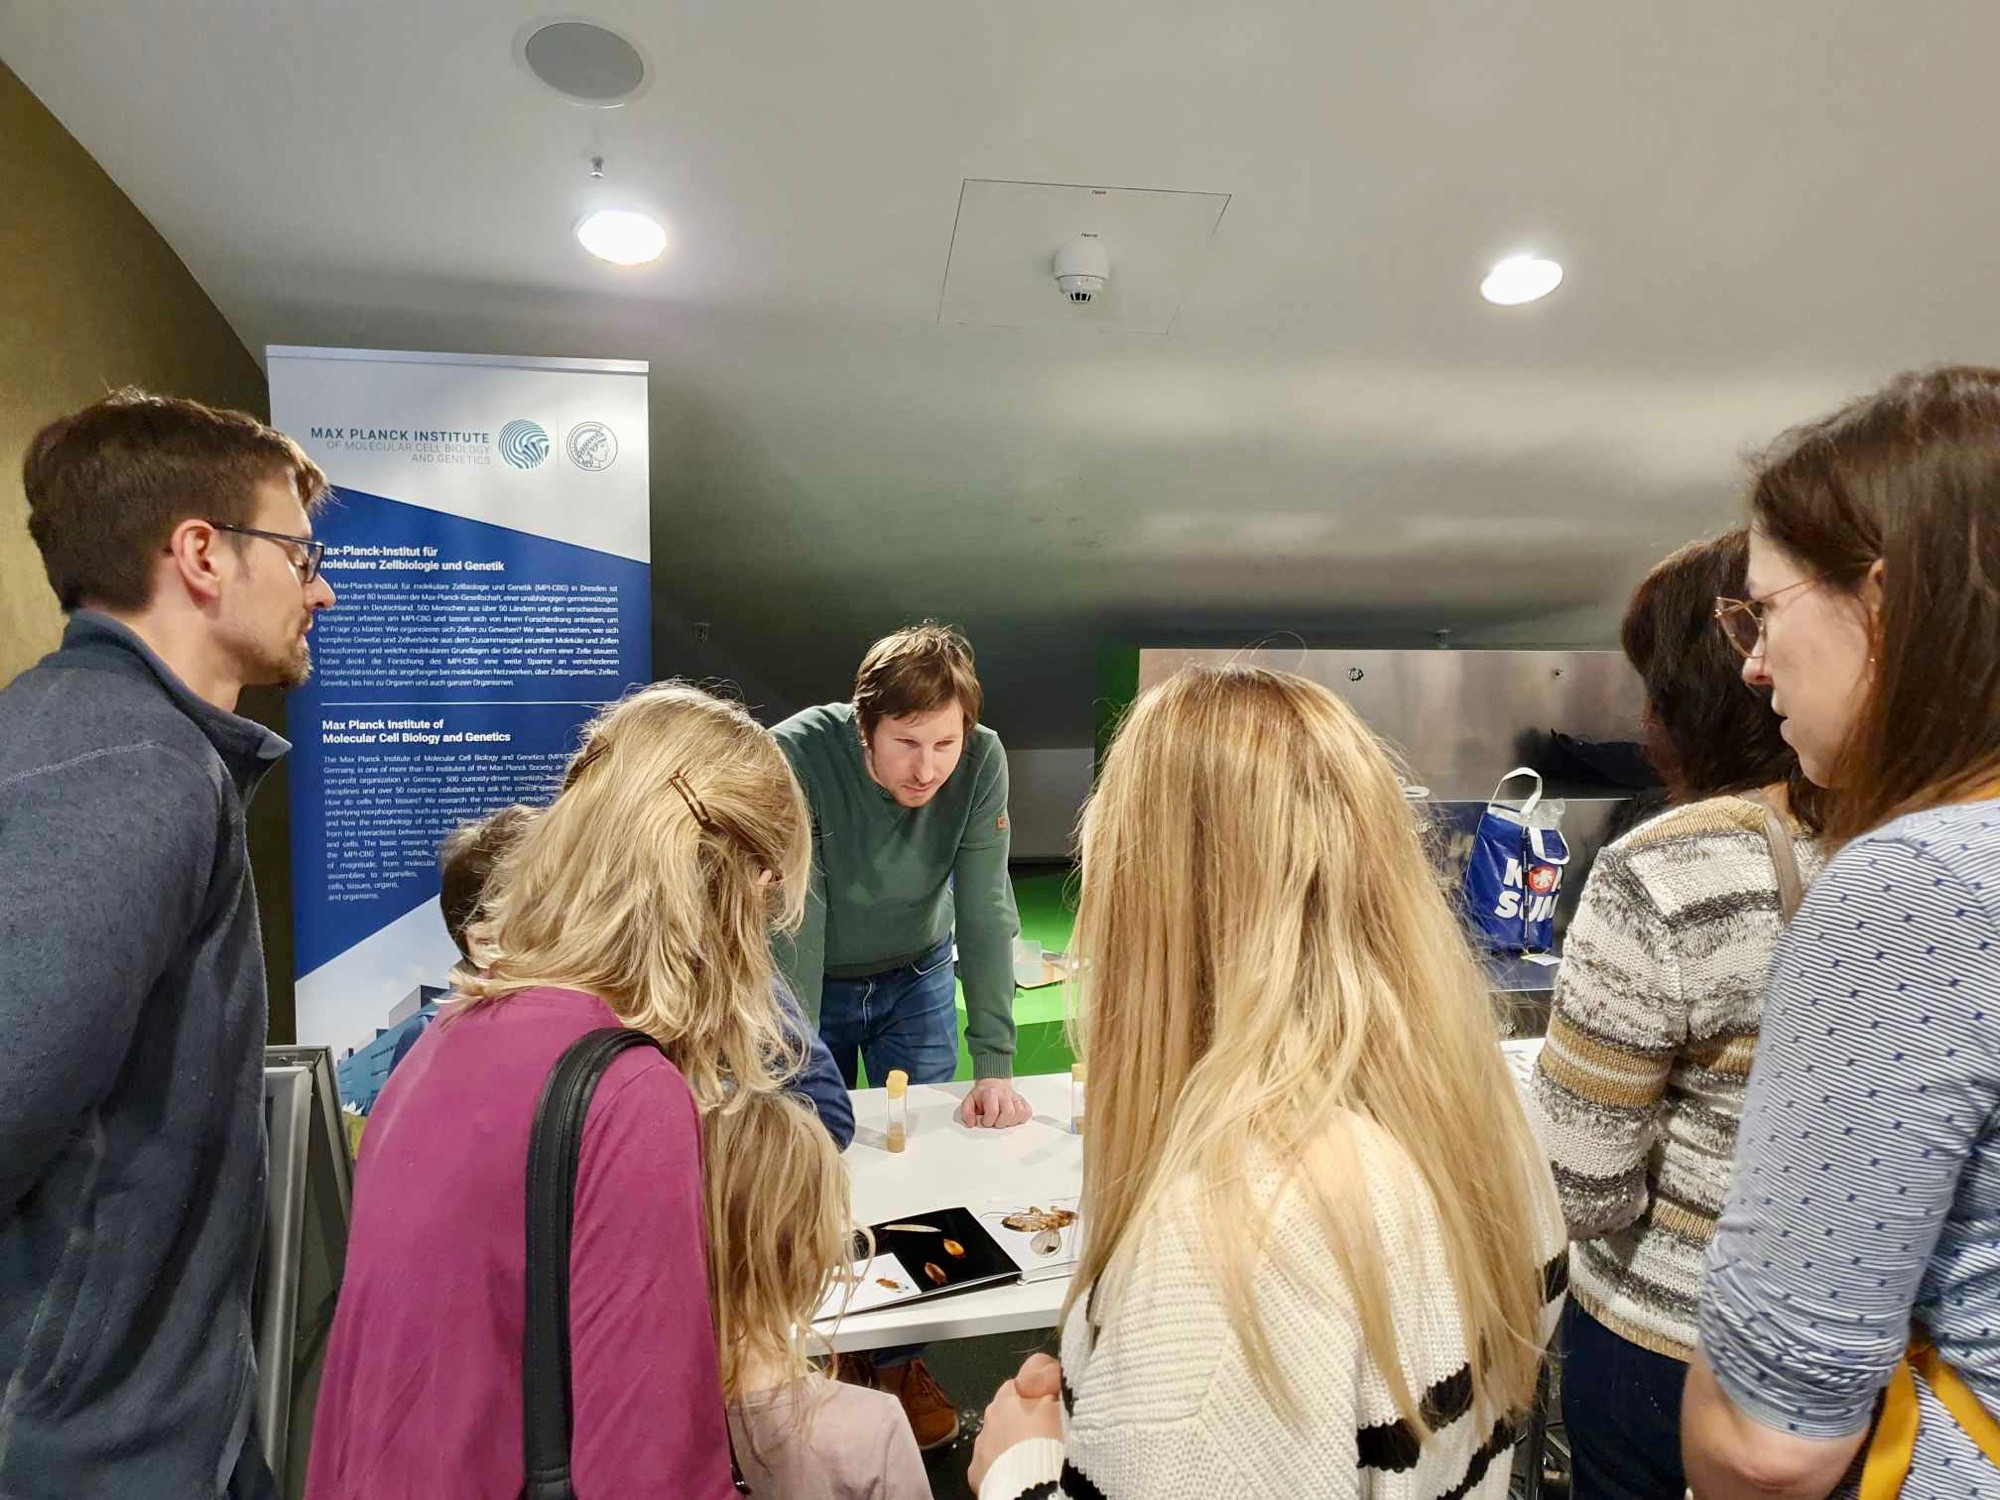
(591, 446)
(524, 444)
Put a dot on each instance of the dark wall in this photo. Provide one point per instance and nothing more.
(92, 298)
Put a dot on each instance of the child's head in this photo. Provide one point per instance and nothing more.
(779, 1226)
(465, 859)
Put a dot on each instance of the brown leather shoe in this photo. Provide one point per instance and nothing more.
(854, 1369)
(933, 1417)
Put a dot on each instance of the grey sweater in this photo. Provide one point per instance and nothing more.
(132, 1022)
(1639, 1086)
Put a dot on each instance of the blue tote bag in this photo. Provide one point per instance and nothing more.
(1515, 872)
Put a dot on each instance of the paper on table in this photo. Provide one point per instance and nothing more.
(936, 1254)
(1521, 1057)
(877, 1282)
(1054, 970)
(1019, 1244)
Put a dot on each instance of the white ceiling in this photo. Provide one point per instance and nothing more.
(1762, 208)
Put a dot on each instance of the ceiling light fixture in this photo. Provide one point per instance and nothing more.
(621, 236)
(1520, 278)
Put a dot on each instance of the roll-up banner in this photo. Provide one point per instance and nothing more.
(488, 544)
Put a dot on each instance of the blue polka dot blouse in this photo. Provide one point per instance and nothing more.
(1867, 1189)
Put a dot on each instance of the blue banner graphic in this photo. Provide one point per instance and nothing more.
(492, 590)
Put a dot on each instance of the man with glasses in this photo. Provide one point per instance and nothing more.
(132, 1004)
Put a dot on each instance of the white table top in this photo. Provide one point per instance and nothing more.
(947, 1164)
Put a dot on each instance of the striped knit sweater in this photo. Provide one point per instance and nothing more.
(1639, 1087)
(1159, 1402)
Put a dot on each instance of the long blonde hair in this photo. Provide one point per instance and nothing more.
(679, 841)
(1268, 955)
(779, 1227)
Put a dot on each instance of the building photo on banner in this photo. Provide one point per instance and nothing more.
(488, 534)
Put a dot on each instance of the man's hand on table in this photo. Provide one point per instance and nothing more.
(993, 1105)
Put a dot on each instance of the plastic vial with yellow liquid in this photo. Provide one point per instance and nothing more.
(899, 1109)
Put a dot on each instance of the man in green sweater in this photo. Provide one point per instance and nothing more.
(909, 804)
(909, 807)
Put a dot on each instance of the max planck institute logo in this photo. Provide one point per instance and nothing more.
(591, 446)
(524, 444)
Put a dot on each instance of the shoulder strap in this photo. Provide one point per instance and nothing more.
(1892, 1447)
(1784, 858)
(553, 1148)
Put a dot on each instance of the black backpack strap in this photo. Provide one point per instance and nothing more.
(553, 1149)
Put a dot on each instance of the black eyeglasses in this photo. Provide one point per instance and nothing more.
(306, 554)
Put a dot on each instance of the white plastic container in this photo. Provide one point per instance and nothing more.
(1028, 967)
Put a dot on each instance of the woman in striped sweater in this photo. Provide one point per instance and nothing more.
(1319, 1237)
(1640, 1084)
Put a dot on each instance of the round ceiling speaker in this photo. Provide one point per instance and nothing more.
(584, 62)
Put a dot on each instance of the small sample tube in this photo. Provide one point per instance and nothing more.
(899, 1109)
(1076, 1098)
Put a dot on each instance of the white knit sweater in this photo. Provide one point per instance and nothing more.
(1159, 1401)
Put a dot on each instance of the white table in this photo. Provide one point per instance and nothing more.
(947, 1164)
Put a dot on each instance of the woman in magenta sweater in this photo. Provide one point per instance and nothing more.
(643, 896)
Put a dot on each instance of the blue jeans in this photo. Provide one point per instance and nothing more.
(1621, 1408)
(905, 1017)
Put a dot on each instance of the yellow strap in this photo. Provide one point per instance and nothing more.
(1893, 1447)
(1958, 1399)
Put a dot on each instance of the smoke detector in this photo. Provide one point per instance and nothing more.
(1082, 267)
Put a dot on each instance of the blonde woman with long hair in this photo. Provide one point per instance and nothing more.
(643, 896)
(779, 1228)
(1322, 1252)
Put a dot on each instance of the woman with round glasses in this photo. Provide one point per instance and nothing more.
(1858, 1262)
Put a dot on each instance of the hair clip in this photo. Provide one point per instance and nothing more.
(679, 782)
(592, 753)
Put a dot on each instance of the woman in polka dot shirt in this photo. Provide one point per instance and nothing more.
(1866, 1202)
